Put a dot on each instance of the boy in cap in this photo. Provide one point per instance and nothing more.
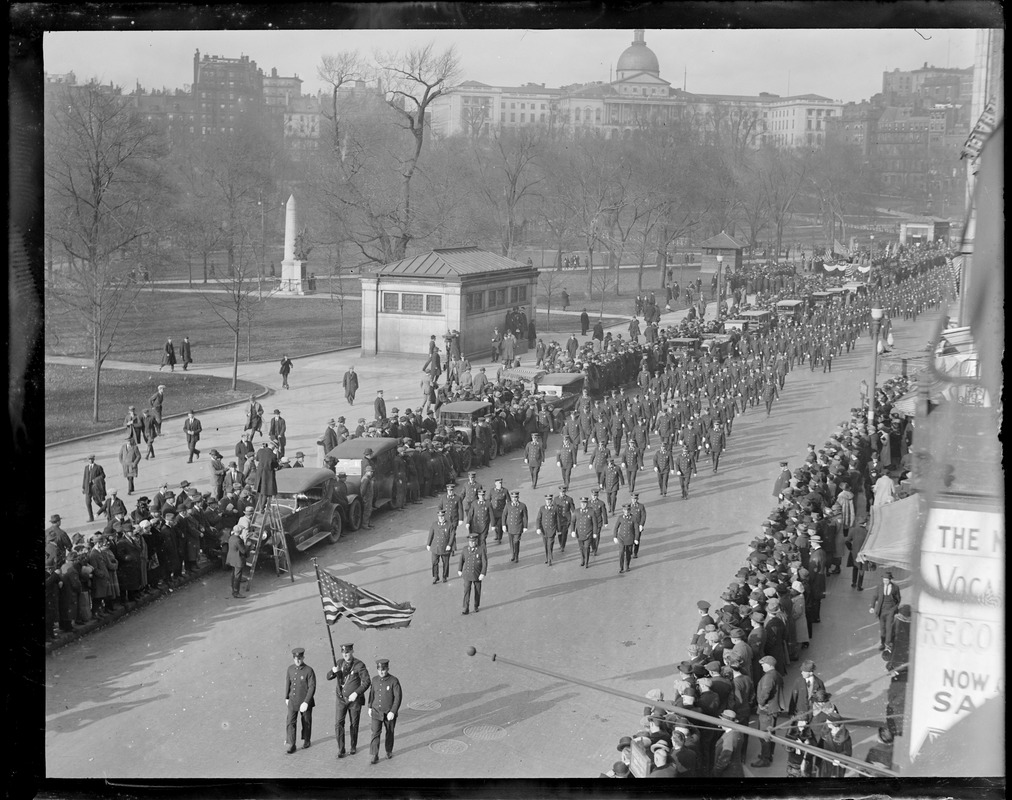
(384, 703)
(300, 689)
(352, 682)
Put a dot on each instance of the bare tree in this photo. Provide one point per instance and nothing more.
(782, 173)
(549, 280)
(339, 71)
(102, 181)
(507, 177)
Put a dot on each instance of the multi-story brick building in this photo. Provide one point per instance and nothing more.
(224, 90)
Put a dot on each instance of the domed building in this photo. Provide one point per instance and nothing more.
(637, 58)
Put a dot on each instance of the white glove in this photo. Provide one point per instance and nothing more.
(615, 540)
(352, 697)
(637, 541)
(459, 573)
(481, 576)
(428, 547)
(448, 548)
(304, 708)
(370, 712)
(390, 716)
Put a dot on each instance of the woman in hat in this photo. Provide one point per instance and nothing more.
(801, 763)
(836, 740)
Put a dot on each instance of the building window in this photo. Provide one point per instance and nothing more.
(474, 302)
(391, 302)
(434, 304)
(411, 303)
(518, 294)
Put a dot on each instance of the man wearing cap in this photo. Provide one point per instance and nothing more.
(277, 431)
(808, 684)
(58, 542)
(192, 429)
(379, 406)
(479, 519)
(600, 509)
(585, 529)
(254, 416)
(452, 506)
(515, 520)
(534, 457)
(441, 544)
(728, 753)
(300, 690)
(683, 468)
(113, 507)
(626, 535)
(783, 479)
(352, 682)
(469, 496)
(155, 402)
(328, 441)
(472, 568)
(566, 458)
(497, 502)
(663, 466)
(566, 506)
(884, 606)
(129, 459)
(639, 512)
(817, 582)
(384, 704)
(548, 524)
(613, 479)
(93, 487)
(769, 699)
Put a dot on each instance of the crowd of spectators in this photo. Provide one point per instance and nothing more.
(738, 659)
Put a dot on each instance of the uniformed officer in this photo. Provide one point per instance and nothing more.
(470, 494)
(534, 457)
(639, 513)
(300, 688)
(547, 526)
(450, 504)
(613, 479)
(585, 529)
(497, 500)
(663, 466)
(352, 683)
(631, 458)
(515, 517)
(683, 468)
(479, 519)
(716, 444)
(473, 566)
(599, 462)
(441, 543)
(626, 537)
(566, 506)
(783, 479)
(600, 509)
(566, 458)
(384, 703)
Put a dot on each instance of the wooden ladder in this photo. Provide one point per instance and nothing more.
(269, 532)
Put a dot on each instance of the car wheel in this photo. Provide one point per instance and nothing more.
(336, 526)
(465, 459)
(355, 514)
(493, 450)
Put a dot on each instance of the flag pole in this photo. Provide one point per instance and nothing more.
(330, 635)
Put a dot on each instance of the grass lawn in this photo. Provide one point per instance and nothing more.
(69, 396)
(282, 325)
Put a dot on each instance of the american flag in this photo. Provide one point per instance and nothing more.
(364, 608)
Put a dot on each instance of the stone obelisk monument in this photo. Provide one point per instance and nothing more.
(293, 269)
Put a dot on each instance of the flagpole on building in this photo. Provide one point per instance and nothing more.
(330, 635)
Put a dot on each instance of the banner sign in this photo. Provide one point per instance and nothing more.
(959, 632)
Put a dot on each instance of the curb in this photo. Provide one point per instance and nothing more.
(65, 638)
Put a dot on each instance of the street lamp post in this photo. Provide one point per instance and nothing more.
(876, 324)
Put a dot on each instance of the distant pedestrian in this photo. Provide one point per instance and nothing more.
(129, 459)
(286, 368)
(155, 402)
(184, 352)
(168, 355)
(379, 406)
(565, 300)
(192, 429)
(350, 384)
(254, 416)
(277, 431)
(150, 432)
(584, 322)
(93, 487)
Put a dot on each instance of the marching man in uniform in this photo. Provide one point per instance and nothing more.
(442, 536)
(300, 688)
(384, 703)
(585, 529)
(352, 682)
(626, 537)
(515, 520)
(534, 457)
(473, 566)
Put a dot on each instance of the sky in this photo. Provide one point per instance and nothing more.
(842, 64)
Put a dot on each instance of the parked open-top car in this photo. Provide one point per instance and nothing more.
(389, 474)
(309, 509)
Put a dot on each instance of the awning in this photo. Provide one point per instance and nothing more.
(892, 533)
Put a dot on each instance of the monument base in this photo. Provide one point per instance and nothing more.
(293, 278)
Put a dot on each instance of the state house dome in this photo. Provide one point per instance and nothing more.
(637, 58)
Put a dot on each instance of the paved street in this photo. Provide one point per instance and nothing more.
(193, 685)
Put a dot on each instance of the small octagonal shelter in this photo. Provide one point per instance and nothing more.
(721, 245)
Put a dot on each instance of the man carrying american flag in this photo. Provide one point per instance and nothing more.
(364, 608)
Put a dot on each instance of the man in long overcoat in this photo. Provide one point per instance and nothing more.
(267, 465)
